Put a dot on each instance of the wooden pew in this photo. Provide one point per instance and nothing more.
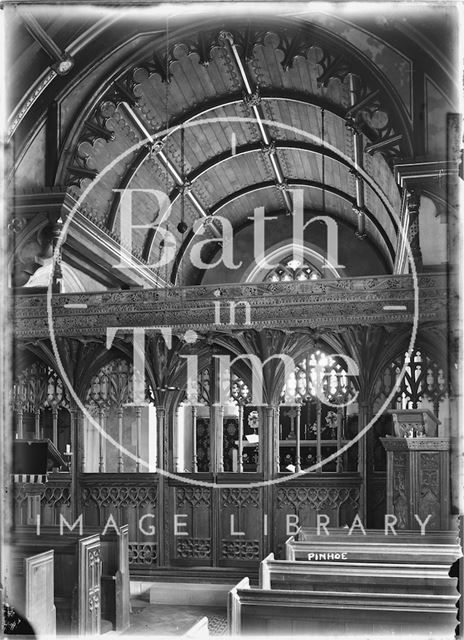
(317, 613)
(409, 547)
(31, 590)
(115, 581)
(343, 576)
(77, 571)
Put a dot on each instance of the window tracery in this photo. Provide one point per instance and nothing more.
(291, 270)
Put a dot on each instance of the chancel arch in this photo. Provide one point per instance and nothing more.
(221, 261)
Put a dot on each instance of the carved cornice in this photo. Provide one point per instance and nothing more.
(416, 444)
(316, 304)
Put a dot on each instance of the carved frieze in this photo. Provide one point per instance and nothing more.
(316, 303)
(317, 498)
(120, 496)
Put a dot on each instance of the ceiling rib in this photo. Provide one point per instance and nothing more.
(157, 148)
(252, 99)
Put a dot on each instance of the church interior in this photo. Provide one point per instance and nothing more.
(231, 363)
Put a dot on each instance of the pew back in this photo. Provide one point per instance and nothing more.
(77, 571)
(31, 591)
(343, 576)
(319, 613)
(407, 547)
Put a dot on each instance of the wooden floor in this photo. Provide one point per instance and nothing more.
(172, 620)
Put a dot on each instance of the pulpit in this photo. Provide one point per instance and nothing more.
(418, 481)
(32, 460)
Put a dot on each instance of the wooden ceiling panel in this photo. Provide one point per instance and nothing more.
(239, 209)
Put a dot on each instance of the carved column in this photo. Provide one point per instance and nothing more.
(37, 424)
(413, 205)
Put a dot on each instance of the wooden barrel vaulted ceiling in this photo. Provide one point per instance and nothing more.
(269, 103)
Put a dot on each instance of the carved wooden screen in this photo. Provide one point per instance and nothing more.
(39, 400)
(320, 391)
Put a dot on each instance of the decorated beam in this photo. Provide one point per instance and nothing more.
(315, 304)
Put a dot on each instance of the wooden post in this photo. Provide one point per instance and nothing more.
(55, 426)
(194, 440)
(298, 437)
(37, 424)
(138, 436)
(101, 459)
(120, 456)
(240, 438)
(221, 440)
(339, 460)
(20, 424)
